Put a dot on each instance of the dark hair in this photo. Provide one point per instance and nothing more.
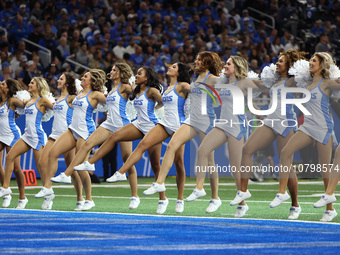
(153, 81)
(13, 87)
(184, 72)
(71, 83)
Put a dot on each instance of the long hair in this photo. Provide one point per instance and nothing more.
(325, 63)
(184, 72)
(70, 83)
(240, 67)
(152, 81)
(43, 88)
(211, 61)
(125, 72)
(98, 79)
(292, 56)
(13, 87)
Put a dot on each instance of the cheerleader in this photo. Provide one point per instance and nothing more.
(173, 100)
(317, 127)
(34, 136)
(116, 118)
(207, 66)
(82, 126)
(147, 94)
(10, 133)
(63, 112)
(266, 134)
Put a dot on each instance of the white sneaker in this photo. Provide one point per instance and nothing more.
(162, 205)
(62, 178)
(214, 205)
(324, 200)
(279, 199)
(154, 188)
(44, 192)
(196, 194)
(294, 212)
(4, 192)
(88, 205)
(86, 166)
(329, 215)
(241, 211)
(240, 196)
(7, 201)
(22, 203)
(117, 177)
(79, 205)
(134, 203)
(48, 202)
(179, 206)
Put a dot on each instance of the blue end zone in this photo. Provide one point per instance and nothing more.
(25, 231)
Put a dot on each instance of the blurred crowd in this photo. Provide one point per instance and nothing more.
(155, 33)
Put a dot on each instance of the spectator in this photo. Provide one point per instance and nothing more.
(6, 72)
(119, 50)
(86, 30)
(82, 56)
(137, 59)
(35, 36)
(317, 29)
(27, 74)
(63, 49)
(323, 45)
(292, 44)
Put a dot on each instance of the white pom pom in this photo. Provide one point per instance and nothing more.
(100, 108)
(131, 110)
(132, 80)
(223, 79)
(300, 70)
(334, 72)
(159, 113)
(79, 88)
(269, 75)
(49, 112)
(24, 96)
(252, 76)
(104, 90)
(187, 106)
(336, 94)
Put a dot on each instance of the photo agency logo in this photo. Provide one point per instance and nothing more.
(238, 107)
(206, 89)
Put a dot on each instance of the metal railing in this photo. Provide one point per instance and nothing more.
(263, 14)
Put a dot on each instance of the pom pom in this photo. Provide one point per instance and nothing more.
(131, 110)
(104, 90)
(334, 72)
(159, 112)
(223, 79)
(79, 88)
(132, 80)
(336, 94)
(49, 112)
(100, 108)
(301, 73)
(253, 76)
(269, 75)
(23, 96)
(187, 106)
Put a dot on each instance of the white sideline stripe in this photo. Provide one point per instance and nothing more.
(173, 216)
(180, 247)
(175, 199)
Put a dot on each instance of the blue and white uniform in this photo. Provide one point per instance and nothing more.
(290, 118)
(320, 124)
(9, 131)
(236, 124)
(62, 117)
(34, 134)
(116, 111)
(196, 119)
(146, 118)
(173, 111)
(82, 122)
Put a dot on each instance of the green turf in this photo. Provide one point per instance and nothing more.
(111, 198)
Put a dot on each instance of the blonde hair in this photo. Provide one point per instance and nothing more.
(98, 79)
(240, 67)
(326, 61)
(125, 72)
(43, 87)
